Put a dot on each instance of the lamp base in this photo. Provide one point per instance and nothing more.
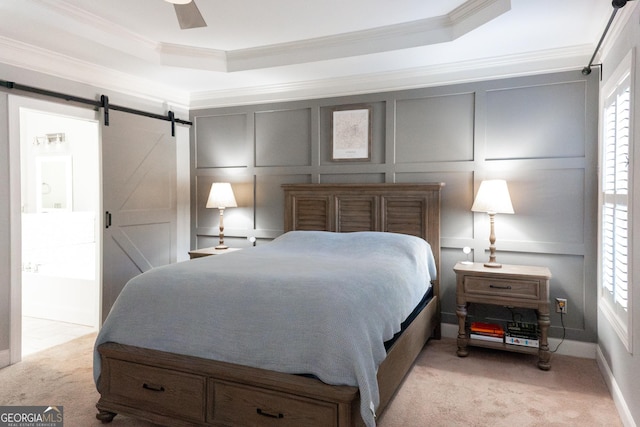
(493, 264)
(221, 247)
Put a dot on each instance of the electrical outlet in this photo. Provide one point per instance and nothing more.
(561, 305)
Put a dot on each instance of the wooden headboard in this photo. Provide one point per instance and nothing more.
(398, 208)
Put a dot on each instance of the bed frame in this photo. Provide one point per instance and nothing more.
(179, 390)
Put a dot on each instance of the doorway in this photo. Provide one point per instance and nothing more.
(60, 200)
(140, 169)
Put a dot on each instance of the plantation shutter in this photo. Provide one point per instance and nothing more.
(615, 197)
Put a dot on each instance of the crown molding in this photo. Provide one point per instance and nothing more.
(46, 62)
(382, 39)
(81, 15)
(472, 14)
(556, 60)
(99, 30)
(192, 57)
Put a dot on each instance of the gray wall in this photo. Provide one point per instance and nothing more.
(537, 132)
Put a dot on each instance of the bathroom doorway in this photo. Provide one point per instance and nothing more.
(60, 224)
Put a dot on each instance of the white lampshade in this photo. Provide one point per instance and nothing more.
(221, 196)
(178, 1)
(493, 197)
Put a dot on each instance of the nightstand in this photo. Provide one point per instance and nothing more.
(510, 286)
(198, 253)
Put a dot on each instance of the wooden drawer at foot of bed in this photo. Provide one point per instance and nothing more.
(236, 404)
(188, 391)
(150, 389)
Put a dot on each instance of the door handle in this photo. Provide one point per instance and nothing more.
(107, 219)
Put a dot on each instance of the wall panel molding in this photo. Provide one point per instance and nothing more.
(539, 132)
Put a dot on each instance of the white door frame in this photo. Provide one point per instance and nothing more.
(15, 206)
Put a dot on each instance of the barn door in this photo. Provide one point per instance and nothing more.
(139, 199)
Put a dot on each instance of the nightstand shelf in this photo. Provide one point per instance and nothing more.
(510, 286)
(502, 346)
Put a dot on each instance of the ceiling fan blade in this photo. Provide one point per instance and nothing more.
(189, 16)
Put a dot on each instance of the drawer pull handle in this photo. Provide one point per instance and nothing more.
(499, 287)
(266, 414)
(152, 387)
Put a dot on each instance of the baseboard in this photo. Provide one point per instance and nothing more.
(616, 394)
(585, 350)
(5, 358)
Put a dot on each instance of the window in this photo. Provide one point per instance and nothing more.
(615, 224)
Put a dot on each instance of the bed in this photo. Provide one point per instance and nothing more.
(180, 380)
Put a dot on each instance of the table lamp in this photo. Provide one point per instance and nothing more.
(221, 197)
(492, 198)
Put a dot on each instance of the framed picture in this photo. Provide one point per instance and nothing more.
(351, 133)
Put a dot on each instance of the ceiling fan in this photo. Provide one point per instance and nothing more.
(188, 14)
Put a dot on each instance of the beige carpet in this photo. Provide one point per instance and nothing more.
(488, 388)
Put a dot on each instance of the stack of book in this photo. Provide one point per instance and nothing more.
(486, 331)
(524, 334)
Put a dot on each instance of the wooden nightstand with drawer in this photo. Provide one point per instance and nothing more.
(199, 253)
(510, 286)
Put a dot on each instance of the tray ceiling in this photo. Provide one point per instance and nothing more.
(257, 50)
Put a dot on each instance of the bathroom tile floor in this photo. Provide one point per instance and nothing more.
(40, 334)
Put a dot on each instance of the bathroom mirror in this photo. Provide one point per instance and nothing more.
(54, 183)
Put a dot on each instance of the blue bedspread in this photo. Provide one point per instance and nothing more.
(309, 302)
